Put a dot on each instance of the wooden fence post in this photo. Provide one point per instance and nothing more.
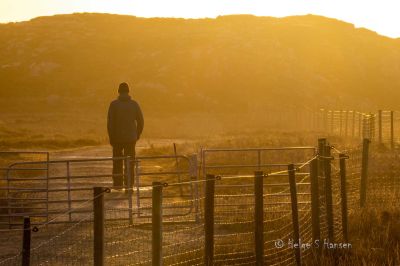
(156, 221)
(316, 232)
(364, 172)
(346, 124)
(209, 221)
(380, 127)
(392, 130)
(328, 192)
(98, 226)
(365, 128)
(372, 128)
(259, 216)
(321, 152)
(177, 169)
(26, 242)
(295, 213)
(353, 129)
(343, 193)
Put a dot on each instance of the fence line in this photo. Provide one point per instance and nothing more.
(235, 223)
(378, 126)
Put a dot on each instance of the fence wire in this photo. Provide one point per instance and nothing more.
(51, 243)
(378, 126)
(128, 231)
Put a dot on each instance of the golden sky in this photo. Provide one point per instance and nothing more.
(382, 16)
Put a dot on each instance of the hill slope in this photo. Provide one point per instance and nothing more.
(229, 63)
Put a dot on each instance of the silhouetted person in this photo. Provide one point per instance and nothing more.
(125, 125)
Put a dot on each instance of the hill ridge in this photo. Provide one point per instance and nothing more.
(234, 61)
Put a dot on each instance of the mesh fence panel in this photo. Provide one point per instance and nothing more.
(53, 243)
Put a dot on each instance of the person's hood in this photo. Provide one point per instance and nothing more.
(124, 97)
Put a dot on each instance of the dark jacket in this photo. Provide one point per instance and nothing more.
(125, 120)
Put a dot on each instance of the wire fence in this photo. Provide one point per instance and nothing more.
(50, 244)
(294, 212)
(380, 126)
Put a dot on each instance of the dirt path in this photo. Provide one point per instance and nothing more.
(106, 150)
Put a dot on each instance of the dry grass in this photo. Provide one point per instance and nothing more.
(57, 129)
(48, 131)
(375, 238)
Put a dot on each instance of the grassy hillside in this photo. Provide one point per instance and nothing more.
(197, 62)
(228, 65)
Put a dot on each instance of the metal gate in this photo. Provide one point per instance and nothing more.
(181, 173)
(60, 191)
(255, 157)
(14, 190)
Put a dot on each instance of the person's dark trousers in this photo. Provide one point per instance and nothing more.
(123, 150)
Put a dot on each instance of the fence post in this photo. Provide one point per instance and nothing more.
(364, 172)
(353, 129)
(346, 123)
(26, 242)
(328, 192)
(295, 213)
(380, 126)
(156, 222)
(321, 152)
(316, 233)
(98, 226)
(258, 159)
(341, 123)
(392, 130)
(209, 220)
(129, 187)
(343, 193)
(177, 169)
(360, 125)
(259, 217)
(372, 128)
(365, 126)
